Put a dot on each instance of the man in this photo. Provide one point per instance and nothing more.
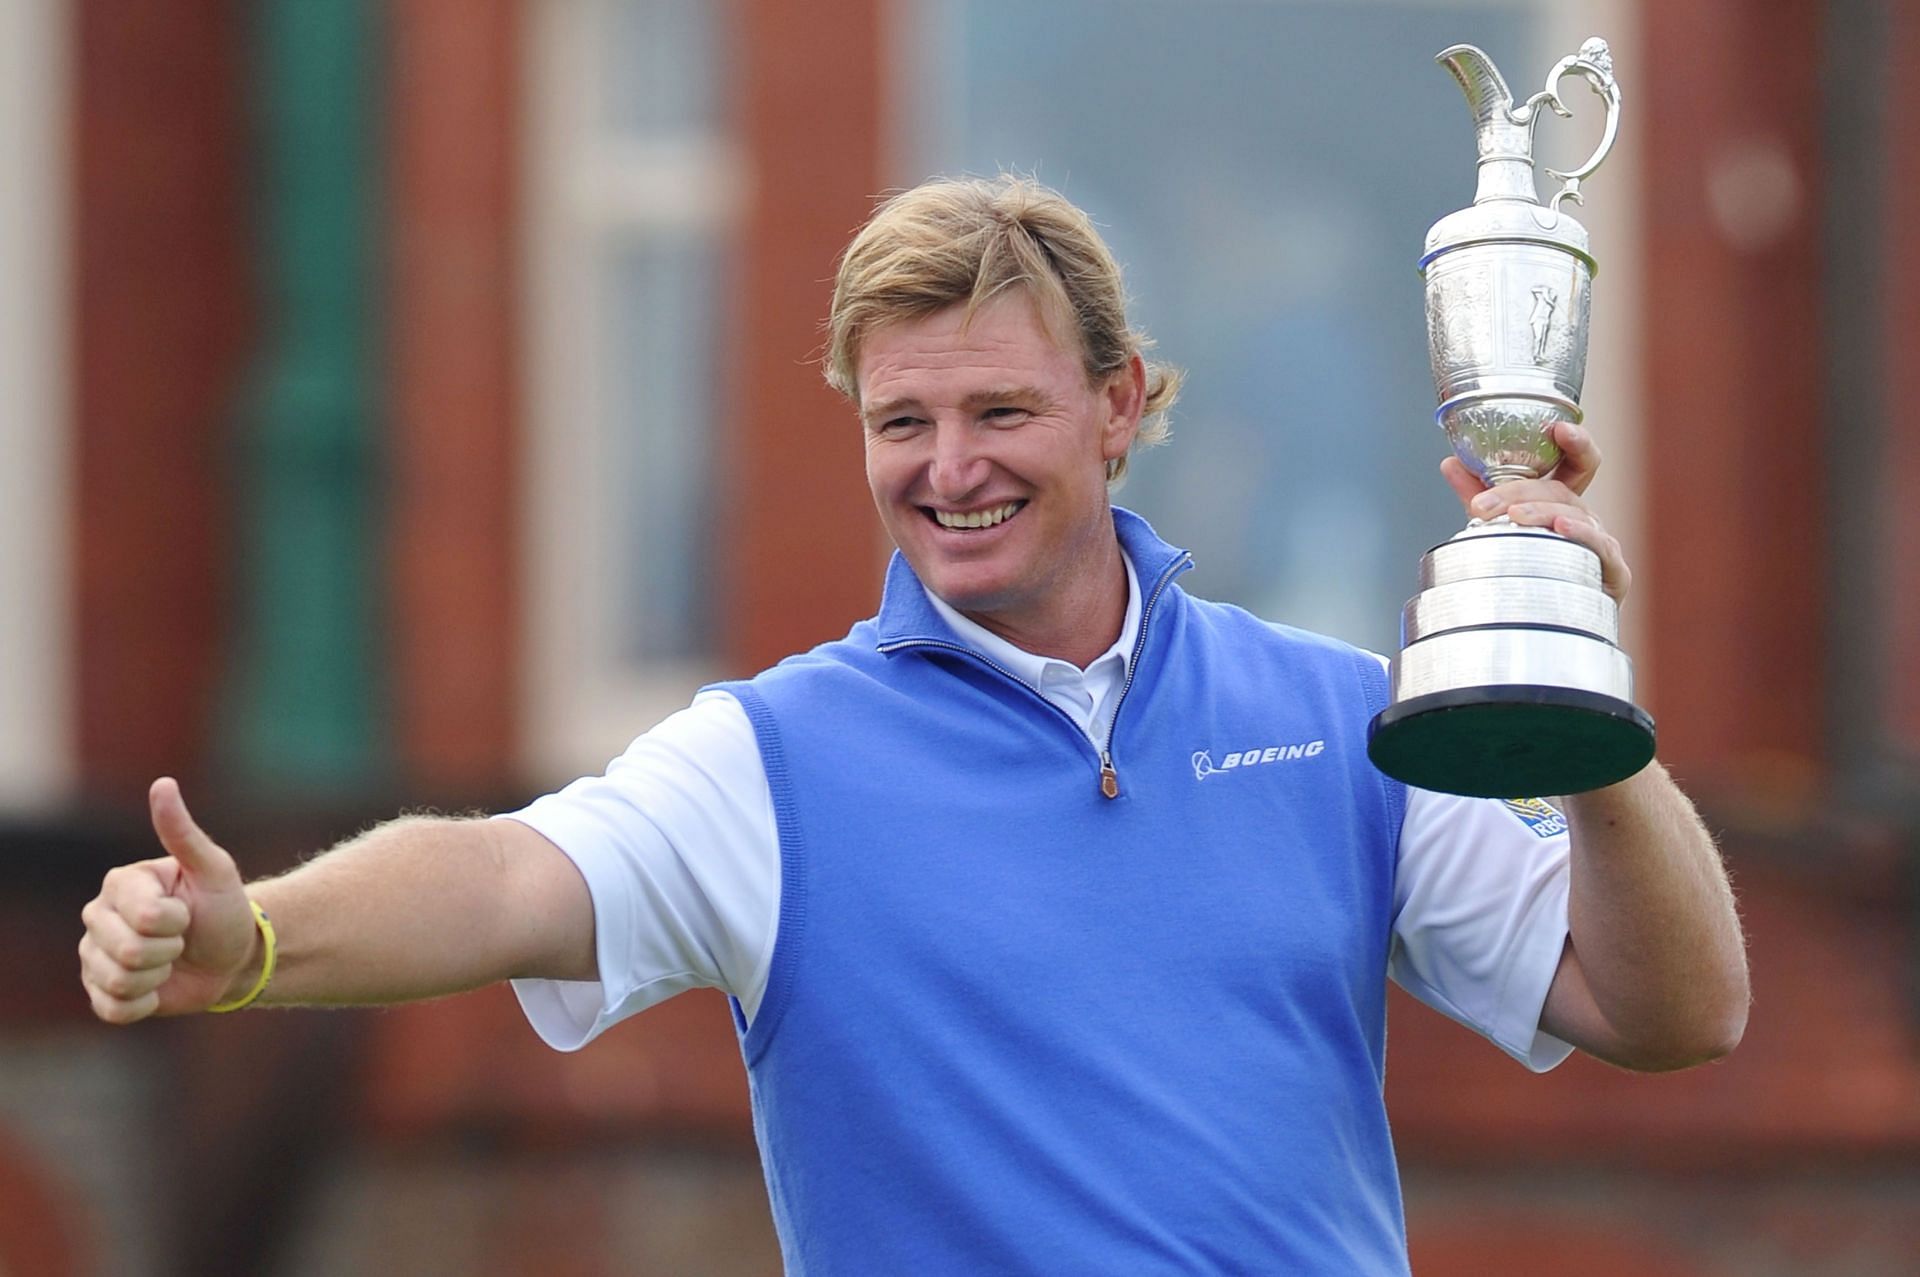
(1021, 987)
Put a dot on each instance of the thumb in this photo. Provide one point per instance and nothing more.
(1579, 456)
(200, 856)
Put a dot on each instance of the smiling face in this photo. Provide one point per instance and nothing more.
(987, 454)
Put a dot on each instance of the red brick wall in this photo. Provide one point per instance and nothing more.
(160, 237)
(452, 504)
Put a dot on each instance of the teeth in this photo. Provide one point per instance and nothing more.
(977, 518)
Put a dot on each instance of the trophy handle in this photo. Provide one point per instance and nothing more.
(1594, 64)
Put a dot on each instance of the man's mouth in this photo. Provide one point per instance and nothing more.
(990, 517)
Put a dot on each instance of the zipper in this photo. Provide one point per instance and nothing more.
(1109, 774)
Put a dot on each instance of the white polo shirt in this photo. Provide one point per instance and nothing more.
(678, 846)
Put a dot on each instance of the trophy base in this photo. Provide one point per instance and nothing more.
(1511, 741)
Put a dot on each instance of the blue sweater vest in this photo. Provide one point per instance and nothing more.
(1015, 1026)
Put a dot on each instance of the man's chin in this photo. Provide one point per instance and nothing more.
(965, 587)
(969, 597)
(955, 577)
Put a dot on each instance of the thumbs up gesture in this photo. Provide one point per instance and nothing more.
(170, 935)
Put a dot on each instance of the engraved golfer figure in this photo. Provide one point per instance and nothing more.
(1541, 320)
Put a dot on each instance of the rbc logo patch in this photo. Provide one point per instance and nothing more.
(1538, 815)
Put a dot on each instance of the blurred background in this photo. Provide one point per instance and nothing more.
(404, 404)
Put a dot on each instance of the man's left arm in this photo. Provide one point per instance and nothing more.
(1654, 973)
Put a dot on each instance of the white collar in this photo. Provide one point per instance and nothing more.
(1033, 668)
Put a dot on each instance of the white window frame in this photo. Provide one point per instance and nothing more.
(38, 769)
(584, 192)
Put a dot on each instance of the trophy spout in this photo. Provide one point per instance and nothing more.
(1488, 96)
(1502, 135)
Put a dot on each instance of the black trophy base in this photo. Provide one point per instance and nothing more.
(1511, 741)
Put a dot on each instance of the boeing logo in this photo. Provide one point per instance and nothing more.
(1204, 766)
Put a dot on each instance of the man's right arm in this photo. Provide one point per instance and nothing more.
(415, 908)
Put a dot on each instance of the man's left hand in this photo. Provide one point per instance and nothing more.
(1552, 502)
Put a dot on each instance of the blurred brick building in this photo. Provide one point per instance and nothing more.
(408, 402)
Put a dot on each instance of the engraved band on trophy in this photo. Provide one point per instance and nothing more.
(1510, 681)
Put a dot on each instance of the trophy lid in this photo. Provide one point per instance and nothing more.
(1506, 205)
(1507, 221)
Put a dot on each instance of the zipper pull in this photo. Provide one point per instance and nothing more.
(1109, 778)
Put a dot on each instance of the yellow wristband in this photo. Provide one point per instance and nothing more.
(267, 939)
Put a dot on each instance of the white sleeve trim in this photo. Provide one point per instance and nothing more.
(1480, 919)
(681, 855)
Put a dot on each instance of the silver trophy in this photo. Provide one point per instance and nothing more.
(1509, 680)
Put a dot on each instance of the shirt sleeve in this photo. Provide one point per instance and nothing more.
(678, 846)
(1480, 915)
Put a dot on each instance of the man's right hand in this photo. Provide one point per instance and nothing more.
(171, 935)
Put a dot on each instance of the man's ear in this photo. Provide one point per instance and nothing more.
(1125, 398)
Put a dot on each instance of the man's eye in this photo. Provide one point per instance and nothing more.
(898, 424)
(1006, 412)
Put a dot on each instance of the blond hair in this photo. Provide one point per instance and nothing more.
(953, 241)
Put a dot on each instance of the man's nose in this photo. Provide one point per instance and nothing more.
(959, 466)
